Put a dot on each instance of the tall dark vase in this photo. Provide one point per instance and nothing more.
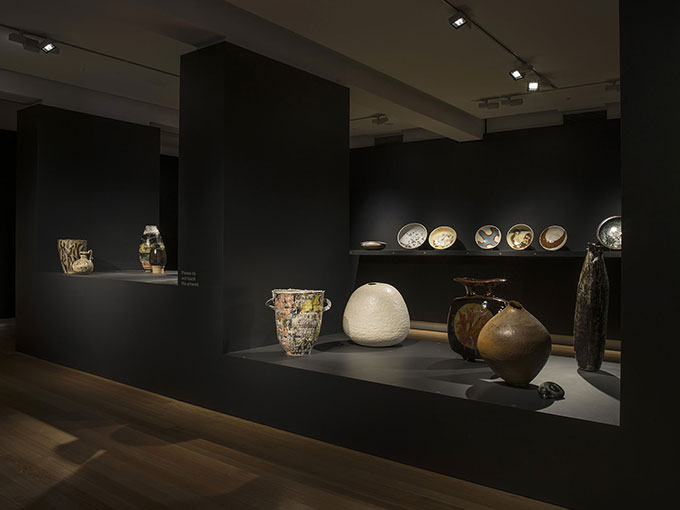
(592, 303)
(468, 314)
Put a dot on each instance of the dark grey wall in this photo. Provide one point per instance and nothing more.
(169, 168)
(7, 221)
(651, 183)
(279, 139)
(93, 178)
(567, 175)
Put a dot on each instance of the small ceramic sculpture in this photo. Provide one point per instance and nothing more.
(84, 264)
(376, 316)
(150, 238)
(298, 315)
(158, 258)
(69, 251)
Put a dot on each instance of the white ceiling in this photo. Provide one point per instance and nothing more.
(573, 43)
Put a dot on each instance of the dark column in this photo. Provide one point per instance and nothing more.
(264, 182)
(7, 219)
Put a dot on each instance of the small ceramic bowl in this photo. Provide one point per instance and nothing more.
(412, 236)
(442, 238)
(520, 236)
(372, 245)
(488, 237)
(553, 238)
(609, 233)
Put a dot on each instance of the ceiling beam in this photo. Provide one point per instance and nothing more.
(261, 36)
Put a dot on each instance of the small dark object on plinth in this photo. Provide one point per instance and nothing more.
(551, 390)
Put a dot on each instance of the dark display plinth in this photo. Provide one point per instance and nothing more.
(431, 367)
(167, 278)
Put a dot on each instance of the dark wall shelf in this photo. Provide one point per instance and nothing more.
(479, 253)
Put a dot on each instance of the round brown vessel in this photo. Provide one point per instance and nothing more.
(515, 345)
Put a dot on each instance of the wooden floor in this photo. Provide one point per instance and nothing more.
(69, 440)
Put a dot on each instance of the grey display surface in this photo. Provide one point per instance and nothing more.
(167, 278)
(432, 367)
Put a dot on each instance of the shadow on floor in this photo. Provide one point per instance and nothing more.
(603, 381)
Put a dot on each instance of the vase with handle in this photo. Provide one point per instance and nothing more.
(298, 315)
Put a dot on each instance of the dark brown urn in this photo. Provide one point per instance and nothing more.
(515, 345)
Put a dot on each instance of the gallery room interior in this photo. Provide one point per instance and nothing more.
(354, 255)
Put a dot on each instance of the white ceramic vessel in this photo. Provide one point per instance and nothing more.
(376, 316)
(553, 238)
(488, 237)
(520, 236)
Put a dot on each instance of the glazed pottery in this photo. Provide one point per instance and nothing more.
(69, 251)
(442, 238)
(158, 258)
(553, 238)
(376, 316)
(298, 315)
(412, 236)
(515, 345)
(150, 238)
(592, 303)
(84, 264)
(550, 390)
(609, 233)
(373, 245)
(488, 237)
(469, 313)
(520, 236)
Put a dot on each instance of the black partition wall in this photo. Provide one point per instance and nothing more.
(7, 219)
(566, 175)
(171, 339)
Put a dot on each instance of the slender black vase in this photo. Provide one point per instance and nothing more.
(468, 314)
(592, 303)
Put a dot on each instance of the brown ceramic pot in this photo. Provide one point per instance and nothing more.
(515, 345)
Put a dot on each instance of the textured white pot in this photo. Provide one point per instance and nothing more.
(376, 316)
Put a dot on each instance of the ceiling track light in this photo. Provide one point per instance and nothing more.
(491, 105)
(520, 72)
(509, 101)
(458, 20)
(34, 45)
(533, 85)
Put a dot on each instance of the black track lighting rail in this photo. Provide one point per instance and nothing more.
(523, 63)
(540, 91)
(88, 50)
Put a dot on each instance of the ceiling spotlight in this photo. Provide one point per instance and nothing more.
(516, 74)
(48, 46)
(458, 20)
(532, 86)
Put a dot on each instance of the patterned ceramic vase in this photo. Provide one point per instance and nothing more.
(84, 264)
(150, 238)
(69, 252)
(298, 316)
(468, 315)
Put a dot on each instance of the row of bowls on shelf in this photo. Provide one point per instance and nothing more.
(518, 237)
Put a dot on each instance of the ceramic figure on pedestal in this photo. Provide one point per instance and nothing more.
(69, 251)
(150, 238)
(158, 258)
(376, 316)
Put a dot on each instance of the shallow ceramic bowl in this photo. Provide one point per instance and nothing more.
(553, 238)
(373, 245)
(609, 233)
(488, 237)
(442, 238)
(412, 236)
(520, 236)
